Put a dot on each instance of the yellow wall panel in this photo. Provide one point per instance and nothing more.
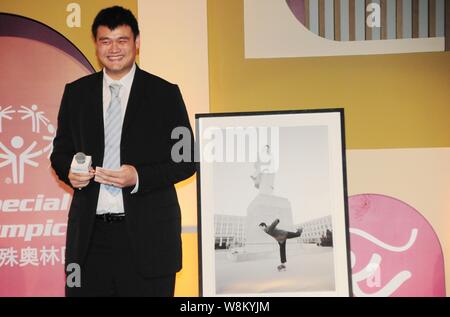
(390, 101)
(187, 279)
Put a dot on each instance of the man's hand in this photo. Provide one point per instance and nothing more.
(81, 180)
(126, 176)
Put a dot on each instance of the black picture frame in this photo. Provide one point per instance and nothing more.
(318, 133)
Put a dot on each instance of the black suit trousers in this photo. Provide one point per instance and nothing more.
(109, 270)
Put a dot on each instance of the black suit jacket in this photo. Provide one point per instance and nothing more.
(155, 107)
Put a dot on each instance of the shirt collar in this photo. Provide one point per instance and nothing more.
(125, 81)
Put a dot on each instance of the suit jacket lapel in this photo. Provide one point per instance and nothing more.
(95, 119)
(133, 102)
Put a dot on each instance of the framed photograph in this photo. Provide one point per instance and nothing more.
(272, 198)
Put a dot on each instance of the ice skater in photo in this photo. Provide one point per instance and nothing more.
(281, 236)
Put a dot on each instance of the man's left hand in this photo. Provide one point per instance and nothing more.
(126, 176)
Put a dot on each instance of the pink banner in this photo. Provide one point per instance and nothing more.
(36, 65)
(394, 250)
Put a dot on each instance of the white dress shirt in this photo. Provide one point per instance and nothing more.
(107, 203)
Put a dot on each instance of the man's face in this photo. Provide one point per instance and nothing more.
(116, 49)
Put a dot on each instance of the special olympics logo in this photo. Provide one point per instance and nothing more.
(35, 140)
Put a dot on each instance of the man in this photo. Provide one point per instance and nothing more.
(281, 236)
(124, 226)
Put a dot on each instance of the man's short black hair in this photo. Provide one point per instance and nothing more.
(113, 17)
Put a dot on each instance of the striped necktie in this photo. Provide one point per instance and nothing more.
(113, 131)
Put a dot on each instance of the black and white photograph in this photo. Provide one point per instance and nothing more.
(272, 216)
